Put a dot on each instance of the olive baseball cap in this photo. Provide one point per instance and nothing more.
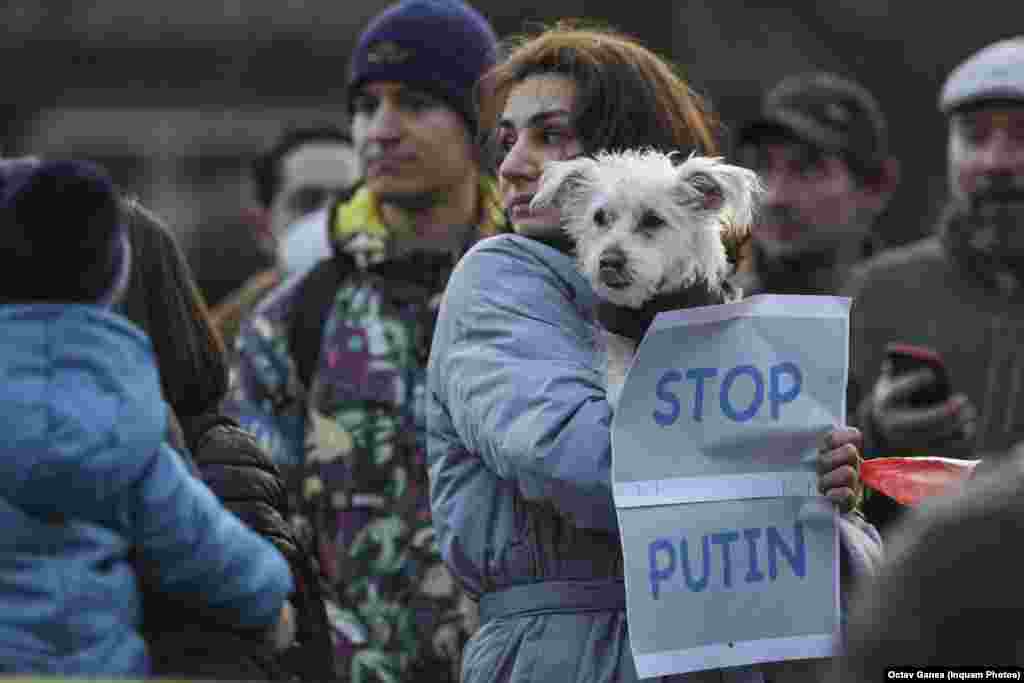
(826, 111)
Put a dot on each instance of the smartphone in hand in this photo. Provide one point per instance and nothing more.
(909, 357)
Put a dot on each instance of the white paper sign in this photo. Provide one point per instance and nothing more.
(731, 555)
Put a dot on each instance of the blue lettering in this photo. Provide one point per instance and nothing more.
(723, 539)
(684, 560)
(699, 375)
(659, 575)
(753, 574)
(755, 404)
(665, 419)
(797, 555)
(664, 562)
(776, 397)
(784, 384)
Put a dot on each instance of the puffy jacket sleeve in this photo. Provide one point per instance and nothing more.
(185, 539)
(242, 476)
(517, 370)
(191, 545)
(861, 545)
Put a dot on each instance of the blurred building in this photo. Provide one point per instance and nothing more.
(188, 164)
(176, 97)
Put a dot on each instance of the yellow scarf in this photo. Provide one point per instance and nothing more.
(360, 216)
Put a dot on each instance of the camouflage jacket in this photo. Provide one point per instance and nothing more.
(344, 418)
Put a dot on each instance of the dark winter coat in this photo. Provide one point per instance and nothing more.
(949, 293)
(248, 484)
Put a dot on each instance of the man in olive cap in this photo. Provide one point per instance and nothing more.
(820, 144)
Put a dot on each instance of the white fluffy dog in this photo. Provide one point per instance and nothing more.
(651, 235)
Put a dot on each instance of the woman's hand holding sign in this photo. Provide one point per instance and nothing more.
(839, 467)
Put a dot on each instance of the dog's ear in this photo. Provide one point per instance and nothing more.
(707, 193)
(562, 181)
(732, 192)
(713, 185)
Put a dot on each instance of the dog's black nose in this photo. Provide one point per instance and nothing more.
(612, 269)
(612, 259)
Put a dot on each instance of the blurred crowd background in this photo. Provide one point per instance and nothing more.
(176, 98)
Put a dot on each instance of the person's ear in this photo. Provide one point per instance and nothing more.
(258, 220)
(882, 185)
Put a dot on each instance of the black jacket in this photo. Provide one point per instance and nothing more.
(247, 482)
(242, 476)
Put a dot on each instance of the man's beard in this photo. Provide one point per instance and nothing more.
(995, 212)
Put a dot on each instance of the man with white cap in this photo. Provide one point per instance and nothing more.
(958, 292)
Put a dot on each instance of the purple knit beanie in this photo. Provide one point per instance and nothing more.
(441, 47)
(63, 238)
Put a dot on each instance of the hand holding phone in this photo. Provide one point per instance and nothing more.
(915, 413)
(906, 358)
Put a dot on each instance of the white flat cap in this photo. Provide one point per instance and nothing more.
(995, 72)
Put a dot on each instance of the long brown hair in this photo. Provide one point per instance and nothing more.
(627, 97)
(163, 299)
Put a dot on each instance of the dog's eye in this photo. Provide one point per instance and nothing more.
(651, 221)
(600, 217)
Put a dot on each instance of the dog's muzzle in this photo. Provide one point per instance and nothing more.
(612, 270)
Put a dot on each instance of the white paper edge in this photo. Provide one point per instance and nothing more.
(836, 577)
(678, 490)
(720, 656)
(774, 305)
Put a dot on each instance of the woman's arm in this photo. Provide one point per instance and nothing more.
(517, 368)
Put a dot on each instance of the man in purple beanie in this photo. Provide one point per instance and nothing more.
(331, 366)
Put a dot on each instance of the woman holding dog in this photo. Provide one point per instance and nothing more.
(518, 421)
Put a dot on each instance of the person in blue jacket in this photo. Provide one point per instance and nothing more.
(517, 419)
(92, 498)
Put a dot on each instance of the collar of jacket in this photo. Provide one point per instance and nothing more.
(634, 322)
(356, 225)
(972, 250)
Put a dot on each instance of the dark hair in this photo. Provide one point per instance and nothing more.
(627, 96)
(163, 299)
(266, 169)
(83, 263)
